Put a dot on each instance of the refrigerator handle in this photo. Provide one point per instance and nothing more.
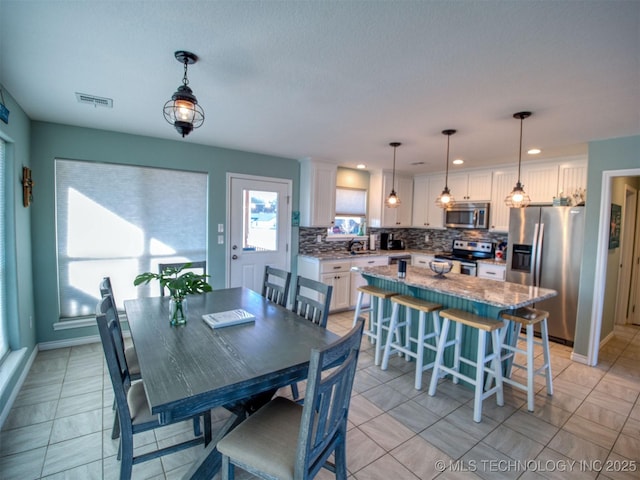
(537, 248)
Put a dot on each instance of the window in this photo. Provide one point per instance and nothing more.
(351, 211)
(119, 221)
(4, 327)
(260, 226)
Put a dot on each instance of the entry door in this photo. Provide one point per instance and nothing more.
(259, 210)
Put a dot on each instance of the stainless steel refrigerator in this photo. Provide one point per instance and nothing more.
(545, 250)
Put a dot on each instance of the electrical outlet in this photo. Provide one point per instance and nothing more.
(319, 239)
(426, 238)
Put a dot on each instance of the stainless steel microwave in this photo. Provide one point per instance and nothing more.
(467, 215)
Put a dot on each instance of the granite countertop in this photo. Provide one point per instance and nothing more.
(344, 255)
(492, 292)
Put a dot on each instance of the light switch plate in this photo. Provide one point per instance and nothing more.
(220, 239)
(220, 227)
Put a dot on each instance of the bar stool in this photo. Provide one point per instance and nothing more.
(377, 324)
(483, 325)
(516, 319)
(420, 341)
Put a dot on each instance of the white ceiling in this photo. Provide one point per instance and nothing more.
(337, 80)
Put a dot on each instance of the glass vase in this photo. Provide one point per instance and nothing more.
(178, 311)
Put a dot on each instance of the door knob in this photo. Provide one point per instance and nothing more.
(234, 257)
(235, 247)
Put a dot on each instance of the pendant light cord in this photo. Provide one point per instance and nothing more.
(520, 149)
(446, 175)
(393, 175)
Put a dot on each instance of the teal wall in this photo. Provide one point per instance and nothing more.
(20, 295)
(604, 155)
(51, 141)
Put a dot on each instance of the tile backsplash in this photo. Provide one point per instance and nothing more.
(414, 238)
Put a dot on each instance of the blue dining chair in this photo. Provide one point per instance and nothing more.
(275, 286)
(133, 409)
(286, 440)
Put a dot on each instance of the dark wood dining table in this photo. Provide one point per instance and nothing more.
(193, 368)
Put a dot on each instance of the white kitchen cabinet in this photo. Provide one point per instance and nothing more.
(540, 181)
(426, 214)
(338, 274)
(572, 177)
(503, 183)
(380, 186)
(471, 187)
(340, 282)
(421, 260)
(492, 271)
(317, 193)
(357, 280)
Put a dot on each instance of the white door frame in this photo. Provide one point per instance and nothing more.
(597, 305)
(286, 229)
(626, 255)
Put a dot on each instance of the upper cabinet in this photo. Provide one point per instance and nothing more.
(317, 193)
(572, 177)
(540, 182)
(380, 185)
(503, 182)
(426, 214)
(470, 187)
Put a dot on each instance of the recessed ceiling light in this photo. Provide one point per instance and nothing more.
(361, 166)
(458, 161)
(417, 163)
(534, 151)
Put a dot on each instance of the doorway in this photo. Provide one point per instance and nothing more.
(626, 296)
(601, 261)
(258, 213)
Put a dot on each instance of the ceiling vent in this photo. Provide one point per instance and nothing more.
(95, 101)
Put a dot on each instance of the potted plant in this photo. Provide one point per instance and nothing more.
(180, 284)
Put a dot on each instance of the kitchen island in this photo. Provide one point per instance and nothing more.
(477, 295)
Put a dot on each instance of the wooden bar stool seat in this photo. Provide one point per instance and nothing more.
(421, 340)
(484, 326)
(528, 318)
(379, 323)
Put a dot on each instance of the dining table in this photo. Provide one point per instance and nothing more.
(192, 368)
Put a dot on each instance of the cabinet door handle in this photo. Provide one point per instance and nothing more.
(337, 268)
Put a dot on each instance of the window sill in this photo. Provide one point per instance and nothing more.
(346, 238)
(9, 367)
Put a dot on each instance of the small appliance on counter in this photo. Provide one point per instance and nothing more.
(373, 240)
(389, 242)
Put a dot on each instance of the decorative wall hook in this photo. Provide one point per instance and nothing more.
(27, 186)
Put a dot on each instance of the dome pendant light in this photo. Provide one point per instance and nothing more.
(445, 199)
(392, 200)
(518, 197)
(183, 111)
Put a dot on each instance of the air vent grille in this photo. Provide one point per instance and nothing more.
(95, 101)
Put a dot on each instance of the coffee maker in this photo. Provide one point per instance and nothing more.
(386, 240)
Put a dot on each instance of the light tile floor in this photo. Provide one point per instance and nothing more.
(60, 425)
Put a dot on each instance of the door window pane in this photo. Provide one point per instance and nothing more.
(260, 226)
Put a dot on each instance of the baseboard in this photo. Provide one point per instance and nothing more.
(16, 389)
(71, 342)
(604, 341)
(576, 357)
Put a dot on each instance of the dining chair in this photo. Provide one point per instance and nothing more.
(193, 266)
(312, 302)
(129, 354)
(131, 399)
(275, 286)
(286, 440)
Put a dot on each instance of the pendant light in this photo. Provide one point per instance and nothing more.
(518, 197)
(445, 199)
(183, 111)
(392, 200)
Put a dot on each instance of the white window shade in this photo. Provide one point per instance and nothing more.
(119, 221)
(351, 202)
